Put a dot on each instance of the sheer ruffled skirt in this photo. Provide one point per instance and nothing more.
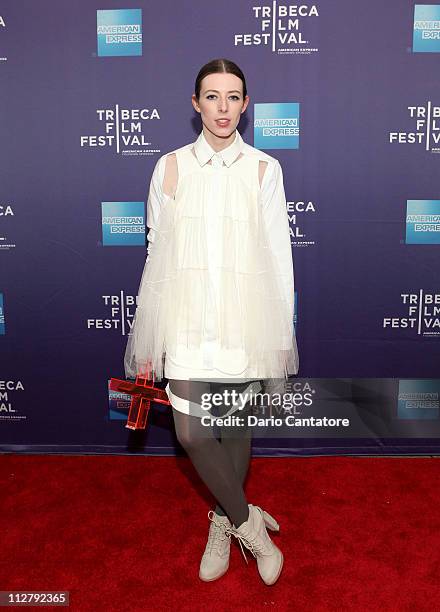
(183, 270)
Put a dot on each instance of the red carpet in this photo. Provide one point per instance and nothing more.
(127, 533)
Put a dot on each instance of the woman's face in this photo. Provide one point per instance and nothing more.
(221, 97)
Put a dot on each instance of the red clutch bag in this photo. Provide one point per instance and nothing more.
(142, 392)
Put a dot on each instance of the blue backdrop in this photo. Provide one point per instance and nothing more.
(90, 99)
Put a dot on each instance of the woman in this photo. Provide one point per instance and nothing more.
(215, 303)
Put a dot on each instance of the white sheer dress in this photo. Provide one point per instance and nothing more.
(216, 297)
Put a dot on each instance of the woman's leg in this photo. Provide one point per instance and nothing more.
(208, 455)
(237, 442)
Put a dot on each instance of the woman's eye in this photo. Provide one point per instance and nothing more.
(213, 96)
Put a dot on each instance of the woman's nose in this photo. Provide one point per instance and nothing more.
(223, 105)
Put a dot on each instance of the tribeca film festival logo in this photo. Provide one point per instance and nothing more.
(297, 237)
(120, 311)
(119, 32)
(122, 129)
(427, 128)
(6, 210)
(423, 314)
(423, 222)
(280, 26)
(426, 31)
(276, 125)
(7, 410)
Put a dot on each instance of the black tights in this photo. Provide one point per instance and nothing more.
(221, 464)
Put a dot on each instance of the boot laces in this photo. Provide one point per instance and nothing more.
(255, 545)
(218, 532)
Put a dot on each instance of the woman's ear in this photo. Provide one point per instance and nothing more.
(194, 103)
(245, 104)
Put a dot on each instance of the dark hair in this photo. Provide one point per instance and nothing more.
(219, 65)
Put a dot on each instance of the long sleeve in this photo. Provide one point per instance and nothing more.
(154, 202)
(150, 238)
(275, 217)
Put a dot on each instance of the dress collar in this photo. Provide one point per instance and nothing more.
(204, 151)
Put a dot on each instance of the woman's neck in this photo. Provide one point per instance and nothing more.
(218, 143)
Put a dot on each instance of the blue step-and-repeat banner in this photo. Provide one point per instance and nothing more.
(346, 95)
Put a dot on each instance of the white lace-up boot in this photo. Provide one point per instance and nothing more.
(254, 536)
(215, 559)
